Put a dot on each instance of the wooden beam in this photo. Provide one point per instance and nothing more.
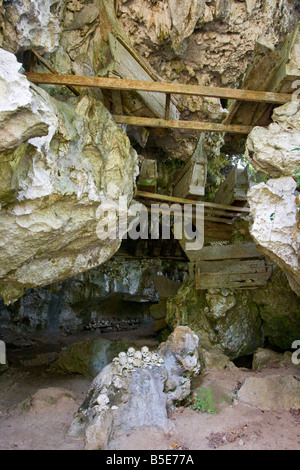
(159, 87)
(52, 70)
(243, 251)
(161, 197)
(187, 125)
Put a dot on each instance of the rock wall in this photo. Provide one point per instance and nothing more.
(114, 296)
(237, 322)
(274, 205)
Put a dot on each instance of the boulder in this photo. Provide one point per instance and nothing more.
(215, 360)
(272, 150)
(273, 207)
(56, 185)
(225, 321)
(88, 357)
(129, 395)
(268, 358)
(275, 392)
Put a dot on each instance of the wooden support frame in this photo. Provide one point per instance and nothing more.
(161, 197)
(159, 87)
(184, 125)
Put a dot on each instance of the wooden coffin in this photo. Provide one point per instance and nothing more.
(126, 65)
(190, 183)
(147, 180)
(233, 191)
(231, 266)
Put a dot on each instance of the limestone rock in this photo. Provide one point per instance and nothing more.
(226, 321)
(275, 392)
(215, 360)
(55, 186)
(268, 358)
(31, 23)
(274, 210)
(22, 109)
(279, 308)
(272, 150)
(138, 398)
(88, 357)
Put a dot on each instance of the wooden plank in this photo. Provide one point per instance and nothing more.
(52, 70)
(127, 67)
(161, 197)
(159, 87)
(231, 266)
(235, 282)
(187, 125)
(246, 250)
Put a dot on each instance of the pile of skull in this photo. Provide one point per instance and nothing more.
(127, 362)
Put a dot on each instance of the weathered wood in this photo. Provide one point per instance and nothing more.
(51, 69)
(234, 189)
(159, 87)
(162, 197)
(223, 252)
(236, 273)
(187, 125)
(127, 67)
(168, 104)
(276, 77)
(190, 183)
(147, 180)
(237, 281)
(231, 266)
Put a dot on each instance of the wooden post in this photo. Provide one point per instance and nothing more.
(168, 104)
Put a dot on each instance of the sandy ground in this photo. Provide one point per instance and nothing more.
(43, 423)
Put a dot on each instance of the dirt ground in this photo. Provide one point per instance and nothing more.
(42, 422)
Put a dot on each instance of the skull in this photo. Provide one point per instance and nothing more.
(116, 361)
(144, 351)
(122, 354)
(147, 358)
(155, 357)
(137, 362)
(131, 352)
(138, 355)
(102, 399)
(123, 360)
(130, 360)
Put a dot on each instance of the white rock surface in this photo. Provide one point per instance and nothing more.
(52, 187)
(31, 23)
(273, 206)
(271, 150)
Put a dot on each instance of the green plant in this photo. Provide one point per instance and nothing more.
(272, 216)
(199, 406)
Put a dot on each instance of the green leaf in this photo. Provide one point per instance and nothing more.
(272, 216)
(295, 149)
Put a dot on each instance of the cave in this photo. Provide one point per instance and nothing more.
(150, 225)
